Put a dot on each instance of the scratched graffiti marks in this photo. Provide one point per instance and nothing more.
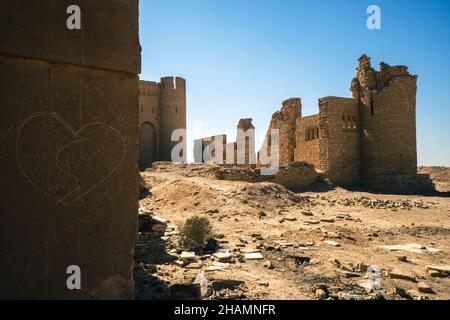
(63, 163)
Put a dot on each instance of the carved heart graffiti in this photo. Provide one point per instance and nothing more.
(65, 164)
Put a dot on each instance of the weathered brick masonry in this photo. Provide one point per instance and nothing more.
(68, 153)
(307, 140)
(387, 108)
(162, 109)
(216, 149)
(285, 122)
(366, 137)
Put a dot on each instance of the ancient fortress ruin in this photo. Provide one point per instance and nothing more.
(162, 109)
(369, 138)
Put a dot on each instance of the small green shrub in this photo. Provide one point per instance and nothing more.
(195, 231)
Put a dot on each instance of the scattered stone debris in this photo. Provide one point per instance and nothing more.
(292, 176)
(284, 244)
(348, 274)
(253, 256)
(223, 256)
(201, 280)
(292, 250)
(330, 234)
(425, 288)
(151, 234)
(402, 293)
(382, 203)
(321, 291)
(397, 274)
(332, 243)
(438, 271)
(299, 260)
(362, 267)
(262, 215)
(218, 266)
(269, 247)
(414, 294)
(411, 247)
(194, 265)
(321, 294)
(227, 284)
(367, 285)
(187, 255)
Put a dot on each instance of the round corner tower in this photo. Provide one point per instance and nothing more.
(173, 114)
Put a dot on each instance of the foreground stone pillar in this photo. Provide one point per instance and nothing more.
(68, 148)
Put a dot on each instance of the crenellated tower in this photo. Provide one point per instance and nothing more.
(162, 109)
(173, 114)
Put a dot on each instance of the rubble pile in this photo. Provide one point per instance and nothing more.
(382, 203)
(294, 176)
(151, 236)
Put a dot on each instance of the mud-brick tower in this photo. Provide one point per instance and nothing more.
(173, 115)
(387, 108)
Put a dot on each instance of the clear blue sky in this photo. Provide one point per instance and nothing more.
(241, 58)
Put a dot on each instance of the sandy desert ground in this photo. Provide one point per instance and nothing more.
(276, 244)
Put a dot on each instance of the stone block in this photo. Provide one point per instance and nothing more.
(69, 191)
(108, 37)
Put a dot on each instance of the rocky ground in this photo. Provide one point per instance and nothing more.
(276, 244)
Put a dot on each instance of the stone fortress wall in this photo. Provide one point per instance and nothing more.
(339, 139)
(370, 135)
(68, 153)
(162, 109)
(387, 108)
(216, 149)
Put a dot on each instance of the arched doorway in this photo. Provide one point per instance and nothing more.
(147, 145)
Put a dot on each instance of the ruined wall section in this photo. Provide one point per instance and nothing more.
(173, 114)
(339, 144)
(209, 149)
(206, 149)
(231, 150)
(387, 102)
(68, 157)
(285, 121)
(308, 140)
(149, 102)
(149, 122)
(245, 143)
